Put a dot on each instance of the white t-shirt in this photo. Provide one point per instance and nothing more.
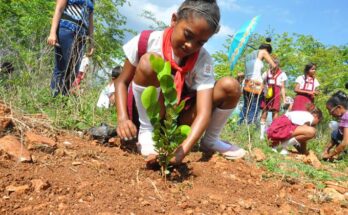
(84, 64)
(282, 77)
(200, 78)
(300, 117)
(309, 86)
(253, 66)
(103, 101)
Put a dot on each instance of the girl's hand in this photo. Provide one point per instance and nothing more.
(52, 40)
(126, 130)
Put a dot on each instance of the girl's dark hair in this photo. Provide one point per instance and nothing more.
(116, 71)
(202, 8)
(338, 98)
(267, 45)
(317, 112)
(308, 67)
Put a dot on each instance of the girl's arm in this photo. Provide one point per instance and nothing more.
(264, 54)
(341, 147)
(125, 127)
(199, 125)
(283, 91)
(90, 40)
(298, 90)
(60, 6)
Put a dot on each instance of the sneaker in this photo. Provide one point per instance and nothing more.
(226, 149)
(284, 152)
(274, 149)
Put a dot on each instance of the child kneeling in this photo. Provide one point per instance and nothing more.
(294, 128)
(337, 106)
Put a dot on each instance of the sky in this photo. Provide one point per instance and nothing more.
(325, 20)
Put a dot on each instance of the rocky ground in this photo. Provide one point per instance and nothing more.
(42, 172)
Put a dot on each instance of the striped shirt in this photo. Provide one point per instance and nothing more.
(76, 16)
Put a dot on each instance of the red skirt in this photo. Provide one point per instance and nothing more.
(273, 103)
(281, 129)
(301, 102)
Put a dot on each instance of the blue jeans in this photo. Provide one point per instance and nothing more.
(251, 108)
(336, 136)
(68, 57)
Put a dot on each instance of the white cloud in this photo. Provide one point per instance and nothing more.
(225, 31)
(229, 5)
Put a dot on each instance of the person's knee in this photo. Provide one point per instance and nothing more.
(144, 73)
(230, 86)
(311, 132)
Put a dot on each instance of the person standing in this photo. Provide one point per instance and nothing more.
(306, 88)
(72, 26)
(253, 83)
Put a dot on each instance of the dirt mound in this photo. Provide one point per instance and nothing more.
(78, 176)
(83, 178)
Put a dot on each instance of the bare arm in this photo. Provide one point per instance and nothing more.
(263, 54)
(90, 36)
(341, 147)
(60, 6)
(298, 90)
(125, 127)
(283, 91)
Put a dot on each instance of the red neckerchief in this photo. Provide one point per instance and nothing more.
(180, 73)
(274, 76)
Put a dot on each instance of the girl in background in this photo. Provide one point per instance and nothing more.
(337, 106)
(72, 25)
(294, 128)
(274, 93)
(252, 86)
(306, 88)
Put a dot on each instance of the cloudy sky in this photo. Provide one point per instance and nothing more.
(326, 20)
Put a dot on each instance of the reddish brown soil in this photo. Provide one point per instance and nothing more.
(92, 179)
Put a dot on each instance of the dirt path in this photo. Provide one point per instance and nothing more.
(82, 178)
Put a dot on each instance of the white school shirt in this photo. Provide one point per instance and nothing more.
(253, 66)
(84, 64)
(282, 77)
(200, 78)
(301, 80)
(300, 117)
(103, 101)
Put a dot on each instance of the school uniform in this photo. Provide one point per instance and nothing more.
(337, 134)
(282, 127)
(302, 100)
(273, 81)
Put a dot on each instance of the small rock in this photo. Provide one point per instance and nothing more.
(35, 141)
(17, 189)
(40, 185)
(334, 194)
(258, 154)
(309, 186)
(246, 204)
(11, 145)
(346, 196)
(76, 163)
(313, 160)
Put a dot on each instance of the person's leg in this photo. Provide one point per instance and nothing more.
(144, 76)
(300, 137)
(74, 64)
(62, 59)
(263, 124)
(225, 97)
(242, 115)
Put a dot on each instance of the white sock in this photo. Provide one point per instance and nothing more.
(262, 130)
(146, 143)
(216, 124)
(291, 142)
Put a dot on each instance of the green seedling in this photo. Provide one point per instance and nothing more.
(167, 135)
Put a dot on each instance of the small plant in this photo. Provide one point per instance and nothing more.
(167, 135)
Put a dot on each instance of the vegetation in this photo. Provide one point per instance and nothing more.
(24, 27)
